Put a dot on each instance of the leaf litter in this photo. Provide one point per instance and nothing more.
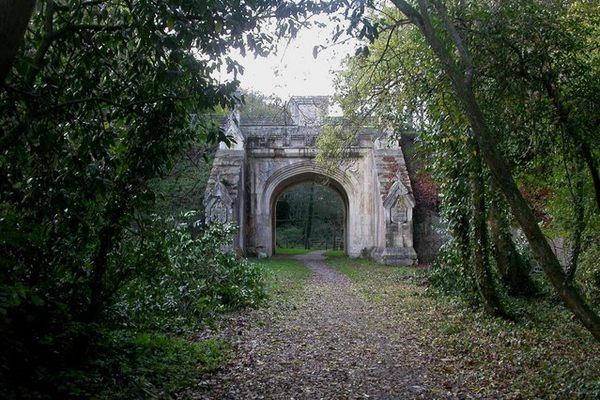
(328, 342)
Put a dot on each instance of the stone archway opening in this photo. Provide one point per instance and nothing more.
(248, 178)
(309, 211)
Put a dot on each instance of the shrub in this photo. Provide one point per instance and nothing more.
(129, 365)
(188, 277)
(166, 277)
(588, 273)
(448, 273)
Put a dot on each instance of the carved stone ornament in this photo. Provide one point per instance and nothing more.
(233, 123)
(219, 204)
(232, 130)
(399, 213)
(397, 190)
(398, 205)
(351, 166)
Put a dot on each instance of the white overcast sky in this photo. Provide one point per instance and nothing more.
(293, 71)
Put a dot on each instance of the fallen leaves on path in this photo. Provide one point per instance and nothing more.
(329, 343)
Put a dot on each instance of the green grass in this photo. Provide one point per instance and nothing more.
(284, 276)
(544, 353)
(292, 251)
(347, 267)
(126, 365)
(360, 270)
(335, 253)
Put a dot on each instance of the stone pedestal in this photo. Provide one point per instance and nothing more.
(404, 256)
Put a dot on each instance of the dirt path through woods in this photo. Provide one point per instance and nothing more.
(329, 345)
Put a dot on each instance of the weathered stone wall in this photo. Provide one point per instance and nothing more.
(275, 163)
(270, 156)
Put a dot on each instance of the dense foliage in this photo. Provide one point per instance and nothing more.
(184, 278)
(100, 102)
(257, 105)
(493, 88)
(182, 188)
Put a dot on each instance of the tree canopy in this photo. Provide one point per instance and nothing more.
(100, 100)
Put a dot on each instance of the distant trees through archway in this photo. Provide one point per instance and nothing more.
(310, 215)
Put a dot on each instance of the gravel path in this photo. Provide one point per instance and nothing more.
(331, 344)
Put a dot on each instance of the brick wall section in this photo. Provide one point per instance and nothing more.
(389, 166)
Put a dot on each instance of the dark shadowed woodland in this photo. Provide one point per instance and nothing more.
(113, 284)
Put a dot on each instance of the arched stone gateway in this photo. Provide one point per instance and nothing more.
(271, 155)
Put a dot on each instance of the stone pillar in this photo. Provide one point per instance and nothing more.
(224, 196)
(397, 204)
(399, 228)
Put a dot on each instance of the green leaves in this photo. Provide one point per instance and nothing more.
(521, 65)
(98, 105)
(183, 276)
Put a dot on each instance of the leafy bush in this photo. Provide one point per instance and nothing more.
(449, 275)
(181, 275)
(191, 277)
(129, 365)
(588, 273)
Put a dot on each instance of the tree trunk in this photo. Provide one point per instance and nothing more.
(333, 241)
(499, 167)
(591, 163)
(14, 17)
(581, 145)
(481, 262)
(109, 234)
(461, 235)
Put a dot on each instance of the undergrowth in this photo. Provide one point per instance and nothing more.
(285, 277)
(126, 365)
(335, 253)
(291, 251)
(142, 346)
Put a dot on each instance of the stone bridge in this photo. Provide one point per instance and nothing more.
(270, 156)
